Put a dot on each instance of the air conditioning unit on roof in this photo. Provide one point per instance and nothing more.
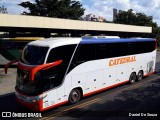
(106, 37)
(100, 37)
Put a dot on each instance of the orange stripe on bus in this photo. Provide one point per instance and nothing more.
(44, 66)
(149, 74)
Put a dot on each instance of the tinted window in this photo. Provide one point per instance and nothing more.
(33, 55)
(61, 53)
(85, 52)
(140, 47)
(119, 49)
(103, 51)
(52, 77)
(130, 48)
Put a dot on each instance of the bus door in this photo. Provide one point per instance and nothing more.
(52, 80)
(50, 99)
(60, 94)
(57, 74)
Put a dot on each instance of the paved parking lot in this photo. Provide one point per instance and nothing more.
(7, 81)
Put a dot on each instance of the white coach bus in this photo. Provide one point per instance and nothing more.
(55, 71)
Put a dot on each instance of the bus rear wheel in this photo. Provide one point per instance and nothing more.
(74, 96)
(132, 78)
(140, 75)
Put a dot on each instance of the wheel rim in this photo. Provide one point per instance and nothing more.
(140, 75)
(132, 78)
(75, 96)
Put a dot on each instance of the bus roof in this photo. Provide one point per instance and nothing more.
(54, 42)
(114, 40)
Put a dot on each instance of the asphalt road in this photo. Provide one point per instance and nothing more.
(140, 98)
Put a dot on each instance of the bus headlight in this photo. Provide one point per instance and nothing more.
(36, 99)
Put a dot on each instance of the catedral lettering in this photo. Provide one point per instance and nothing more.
(123, 60)
(55, 71)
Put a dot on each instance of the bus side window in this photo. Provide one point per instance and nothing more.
(140, 47)
(54, 76)
(49, 84)
(103, 51)
(147, 46)
(61, 53)
(119, 49)
(45, 84)
(85, 52)
(131, 48)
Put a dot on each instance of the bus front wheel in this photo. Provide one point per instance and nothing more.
(132, 78)
(74, 96)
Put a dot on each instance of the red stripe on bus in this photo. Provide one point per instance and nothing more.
(149, 74)
(24, 67)
(100, 90)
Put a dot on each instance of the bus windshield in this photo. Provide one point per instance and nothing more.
(34, 55)
(44, 80)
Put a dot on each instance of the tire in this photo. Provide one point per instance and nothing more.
(140, 75)
(74, 96)
(132, 78)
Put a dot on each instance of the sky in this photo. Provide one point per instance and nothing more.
(102, 8)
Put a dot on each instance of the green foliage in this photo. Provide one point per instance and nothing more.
(140, 19)
(3, 10)
(68, 9)
(126, 17)
(129, 17)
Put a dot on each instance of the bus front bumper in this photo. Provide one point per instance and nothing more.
(34, 106)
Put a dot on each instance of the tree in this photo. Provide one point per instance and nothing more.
(68, 9)
(3, 10)
(126, 17)
(131, 18)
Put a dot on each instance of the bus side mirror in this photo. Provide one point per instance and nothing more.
(9, 64)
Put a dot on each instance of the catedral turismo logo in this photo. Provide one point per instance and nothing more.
(20, 115)
(123, 60)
